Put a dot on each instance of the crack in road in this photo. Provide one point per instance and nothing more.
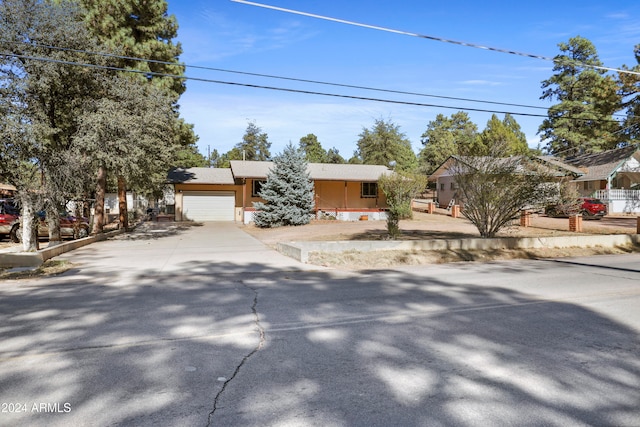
(261, 342)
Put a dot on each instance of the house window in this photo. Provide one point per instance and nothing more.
(369, 189)
(256, 187)
(442, 186)
(588, 185)
(453, 186)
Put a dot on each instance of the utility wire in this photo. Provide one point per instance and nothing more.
(424, 36)
(246, 73)
(307, 92)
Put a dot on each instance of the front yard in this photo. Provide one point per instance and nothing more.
(439, 226)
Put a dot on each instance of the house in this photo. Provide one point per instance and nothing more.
(7, 190)
(446, 186)
(342, 191)
(612, 176)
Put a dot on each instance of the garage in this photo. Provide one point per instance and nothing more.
(208, 205)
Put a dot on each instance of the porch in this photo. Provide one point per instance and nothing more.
(620, 201)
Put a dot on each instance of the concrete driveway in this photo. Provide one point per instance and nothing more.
(167, 247)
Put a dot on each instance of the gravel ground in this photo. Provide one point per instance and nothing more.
(440, 226)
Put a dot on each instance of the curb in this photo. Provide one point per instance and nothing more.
(300, 250)
(36, 259)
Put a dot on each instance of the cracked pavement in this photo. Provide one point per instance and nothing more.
(205, 326)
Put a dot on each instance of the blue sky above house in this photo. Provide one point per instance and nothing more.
(237, 37)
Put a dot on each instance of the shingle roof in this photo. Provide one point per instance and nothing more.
(555, 162)
(201, 176)
(250, 168)
(317, 171)
(346, 172)
(600, 166)
(256, 169)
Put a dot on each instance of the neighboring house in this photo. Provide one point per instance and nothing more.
(612, 176)
(342, 191)
(7, 190)
(446, 187)
(135, 203)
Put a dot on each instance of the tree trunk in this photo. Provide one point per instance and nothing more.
(122, 202)
(29, 225)
(53, 223)
(101, 189)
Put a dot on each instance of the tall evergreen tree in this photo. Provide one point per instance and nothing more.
(582, 121)
(255, 145)
(312, 149)
(384, 144)
(333, 156)
(506, 133)
(140, 29)
(288, 192)
(630, 90)
(142, 32)
(444, 137)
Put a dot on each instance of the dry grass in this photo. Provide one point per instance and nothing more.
(439, 226)
(49, 268)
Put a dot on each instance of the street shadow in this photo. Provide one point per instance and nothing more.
(210, 344)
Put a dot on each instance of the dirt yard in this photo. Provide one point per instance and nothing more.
(439, 226)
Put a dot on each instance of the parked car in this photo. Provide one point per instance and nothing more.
(590, 208)
(9, 215)
(71, 227)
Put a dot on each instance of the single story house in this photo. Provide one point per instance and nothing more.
(612, 176)
(342, 191)
(446, 186)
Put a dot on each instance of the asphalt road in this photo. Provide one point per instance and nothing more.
(207, 327)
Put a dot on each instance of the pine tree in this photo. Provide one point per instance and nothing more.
(288, 192)
(143, 32)
(254, 146)
(383, 144)
(582, 121)
(312, 149)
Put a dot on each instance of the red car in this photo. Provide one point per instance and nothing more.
(593, 208)
(589, 207)
(9, 216)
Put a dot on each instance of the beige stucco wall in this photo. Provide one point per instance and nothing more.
(345, 195)
(329, 195)
(445, 190)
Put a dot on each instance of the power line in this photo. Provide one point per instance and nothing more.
(307, 92)
(246, 73)
(424, 36)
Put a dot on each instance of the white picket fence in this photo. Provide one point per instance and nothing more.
(620, 201)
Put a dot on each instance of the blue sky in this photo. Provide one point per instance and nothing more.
(237, 37)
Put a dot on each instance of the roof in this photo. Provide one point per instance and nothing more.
(201, 176)
(317, 171)
(346, 172)
(260, 170)
(559, 164)
(466, 162)
(601, 166)
(250, 168)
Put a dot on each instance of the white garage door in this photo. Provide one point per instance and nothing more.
(208, 205)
